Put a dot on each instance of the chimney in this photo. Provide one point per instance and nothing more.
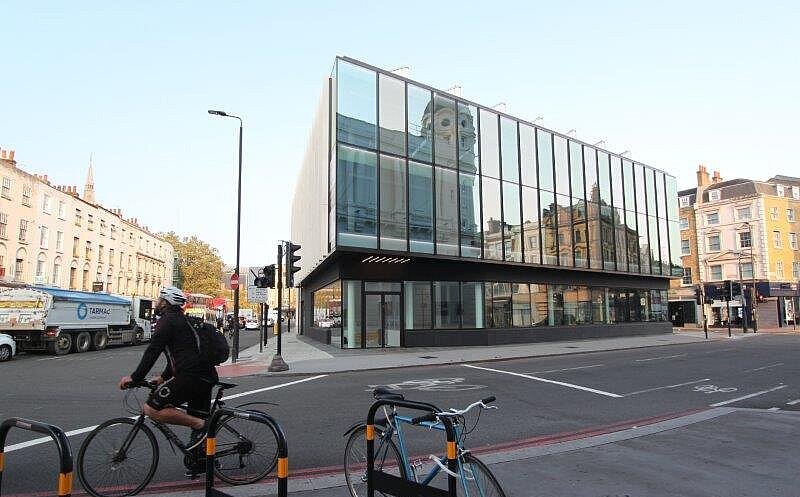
(11, 155)
(46, 179)
(2, 154)
(702, 177)
(717, 178)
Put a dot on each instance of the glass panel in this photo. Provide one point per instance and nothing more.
(620, 238)
(660, 195)
(381, 286)
(641, 196)
(599, 306)
(664, 244)
(501, 305)
(633, 242)
(544, 147)
(671, 197)
(512, 230)
(636, 303)
(351, 315)
(468, 159)
(603, 178)
(655, 248)
(373, 320)
(419, 123)
(580, 241)
(530, 225)
(420, 207)
(444, 128)
(576, 170)
(650, 185)
(527, 151)
(472, 305)
(492, 234)
(392, 118)
(607, 238)
(490, 153)
(674, 249)
(391, 320)
(590, 175)
(562, 165)
(356, 197)
(393, 204)
(644, 245)
(593, 225)
(510, 152)
(521, 300)
(549, 222)
(564, 231)
(356, 106)
(488, 297)
(446, 303)
(446, 212)
(470, 200)
(327, 312)
(630, 195)
(555, 305)
(539, 315)
(331, 201)
(617, 183)
(417, 298)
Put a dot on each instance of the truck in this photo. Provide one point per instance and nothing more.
(142, 310)
(62, 321)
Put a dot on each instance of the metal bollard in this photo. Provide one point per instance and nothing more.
(64, 487)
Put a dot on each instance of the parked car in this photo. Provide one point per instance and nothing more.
(251, 324)
(8, 348)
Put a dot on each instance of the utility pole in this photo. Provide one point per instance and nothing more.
(741, 297)
(278, 364)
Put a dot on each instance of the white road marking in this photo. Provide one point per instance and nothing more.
(37, 441)
(720, 404)
(660, 357)
(763, 367)
(545, 380)
(793, 402)
(774, 409)
(568, 369)
(668, 386)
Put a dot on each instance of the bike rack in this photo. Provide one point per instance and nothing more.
(211, 448)
(395, 485)
(58, 436)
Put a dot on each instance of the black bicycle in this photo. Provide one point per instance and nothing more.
(120, 456)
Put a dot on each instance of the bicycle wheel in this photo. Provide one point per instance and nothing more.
(387, 459)
(247, 451)
(476, 479)
(107, 471)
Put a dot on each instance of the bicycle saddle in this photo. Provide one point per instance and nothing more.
(224, 385)
(383, 393)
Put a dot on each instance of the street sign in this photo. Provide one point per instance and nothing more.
(255, 294)
(234, 281)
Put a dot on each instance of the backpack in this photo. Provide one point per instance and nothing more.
(212, 345)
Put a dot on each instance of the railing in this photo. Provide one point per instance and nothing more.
(58, 436)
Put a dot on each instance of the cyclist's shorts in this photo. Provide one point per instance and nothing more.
(180, 390)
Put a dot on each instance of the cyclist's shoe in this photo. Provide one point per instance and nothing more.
(197, 437)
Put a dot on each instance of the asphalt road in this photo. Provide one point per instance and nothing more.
(537, 396)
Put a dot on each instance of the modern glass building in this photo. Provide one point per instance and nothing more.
(426, 219)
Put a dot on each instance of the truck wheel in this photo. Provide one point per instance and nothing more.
(5, 353)
(62, 344)
(138, 336)
(99, 340)
(82, 342)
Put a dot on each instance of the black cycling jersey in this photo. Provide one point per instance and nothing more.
(174, 337)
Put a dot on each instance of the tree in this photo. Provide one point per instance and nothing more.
(199, 264)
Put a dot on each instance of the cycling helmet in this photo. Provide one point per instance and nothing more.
(173, 295)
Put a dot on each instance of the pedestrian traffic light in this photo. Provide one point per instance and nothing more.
(291, 259)
(268, 279)
(698, 296)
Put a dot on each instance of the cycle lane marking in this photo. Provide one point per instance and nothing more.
(743, 397)
(793, 402)
(660, 357)
(79, 431)
(666, 387)
(568, 369)
(545, 380)
(763, 367)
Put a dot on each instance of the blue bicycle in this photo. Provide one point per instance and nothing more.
(474, 479)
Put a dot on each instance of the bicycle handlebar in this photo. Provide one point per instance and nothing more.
(140, 384)
(454, 412)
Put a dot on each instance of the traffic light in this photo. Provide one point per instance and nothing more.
(736, 289)
(291, 259)
(698, 296)
(268, 279)
(727, 290)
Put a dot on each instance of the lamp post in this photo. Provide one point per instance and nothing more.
(235, 354)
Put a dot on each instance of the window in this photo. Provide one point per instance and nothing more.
(714, 243)
(420, 207)
(779, 189)
(793, 241)
(520, 305)
(779, 269)
(419, 124)
(490, 148)
(46, 203)
(417, 297)
(796, 270)
(44, 236)
(446, 302)
(446, 211)
(470, 216)
(716, 272)
(356, 198)
(685, 248)
(59, 240)
(683, 201)
(713, 195)
(102, 226)
(561, 155)
(444, 130)
(471, 305)
(113, 231)
(56, 278)
(684, 223)
(19, 268)
(796, 193)
(355, 105)
(26, 195)
(790, 215)
(90, 222)
(76, 242)
(100, 253)
(492, 220)
(392, 118)
(78, 217)
(744, 239)
(544, 149)
(712, 218)
(776, 239)
(743, 213)
(111, 257)
(509, 150)
(5, 191)
(530, 225)
(687, 276)
(527, 159)
(393, 203)
(512, 228)
(88, 251)
(3, 225)
(23, 230)
(746, 270)
(40, 263)
(773, 213)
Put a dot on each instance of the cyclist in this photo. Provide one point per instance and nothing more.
(188, 378)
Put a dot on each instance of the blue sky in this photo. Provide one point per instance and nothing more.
(678, 84)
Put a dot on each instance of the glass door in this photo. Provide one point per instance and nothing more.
(382, 320)
(391, 320)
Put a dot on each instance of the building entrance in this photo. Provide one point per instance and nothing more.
(382, 319)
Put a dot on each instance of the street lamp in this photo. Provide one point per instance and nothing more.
(235, 354)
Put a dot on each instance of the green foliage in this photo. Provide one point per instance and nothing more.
(199, 264)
